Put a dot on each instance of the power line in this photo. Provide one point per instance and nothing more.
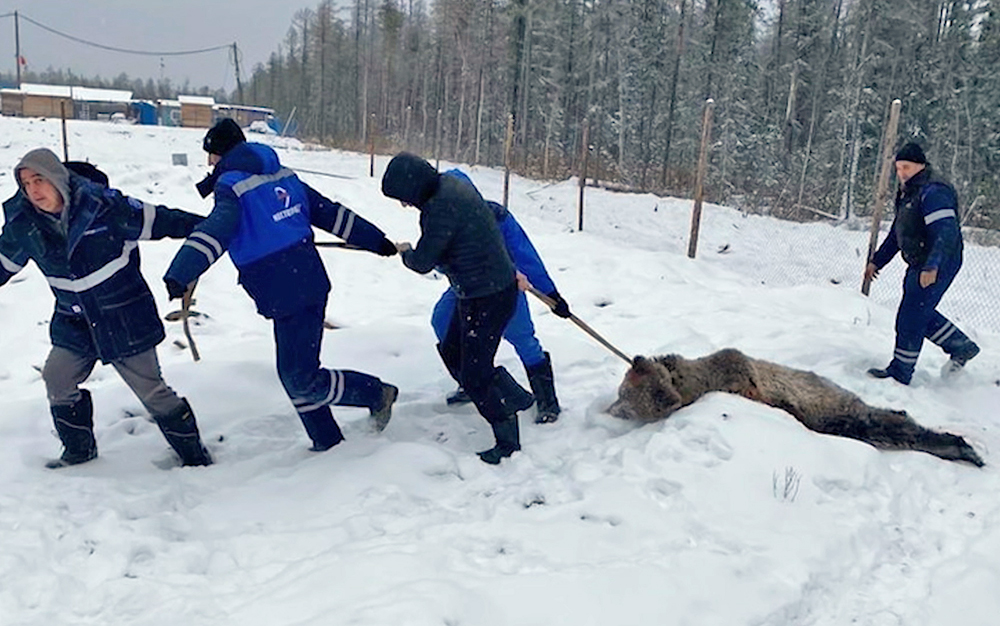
(114, 49)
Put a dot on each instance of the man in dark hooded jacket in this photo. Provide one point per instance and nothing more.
(264, 216)
(460, 237)
(84, 237)
(927, 233)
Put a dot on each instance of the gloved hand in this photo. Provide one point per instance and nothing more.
(174, 289)
(386, 248)
(561, 307)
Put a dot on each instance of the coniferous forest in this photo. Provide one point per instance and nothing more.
(802, 90)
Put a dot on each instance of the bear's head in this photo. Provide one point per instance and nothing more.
(647, 393)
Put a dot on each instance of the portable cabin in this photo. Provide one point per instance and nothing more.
(242, 114)
(197, 111)
(100, 104)
(168, 112)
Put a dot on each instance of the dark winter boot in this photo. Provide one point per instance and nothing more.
(321, 428)
(181, 431)
(508, 441)
(514, 397)
(958, 360)
(379, 418)
(458, 397)
(544, 388)
(75, 425)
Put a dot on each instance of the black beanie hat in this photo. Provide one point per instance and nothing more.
(911, 152)
(223, 137)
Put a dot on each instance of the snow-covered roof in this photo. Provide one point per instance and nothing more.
(168, 103)
(243, 107)
(91, 94)
(54, 91)
(101, 95)
(202, 100)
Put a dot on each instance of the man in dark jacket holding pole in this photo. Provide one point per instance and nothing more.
(264, 216)
(927, 233)
(520, 331)
(460, 237)
(84, 238)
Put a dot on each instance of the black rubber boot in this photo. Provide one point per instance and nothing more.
(515, 397)
(543, 386)
(458, 397)
(75, 425)
(508, 441)
(181, 431)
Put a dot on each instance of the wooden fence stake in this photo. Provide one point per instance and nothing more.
(584, 158)
(437, 142)
(888, 149)
(62, 109)
(371, 146)
(508, 146)
(699, 185)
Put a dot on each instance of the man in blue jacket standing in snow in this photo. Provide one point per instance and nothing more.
(520, 331)
(927, 233)
(264, 216)
(84, 238)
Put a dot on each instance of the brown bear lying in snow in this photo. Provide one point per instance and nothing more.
(655, 388)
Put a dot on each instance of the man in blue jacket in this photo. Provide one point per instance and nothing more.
(84, 238)
(264, 216)
(927, 233)
(459, 236)
(520, 331)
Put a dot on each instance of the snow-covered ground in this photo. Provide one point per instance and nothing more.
(729, 513)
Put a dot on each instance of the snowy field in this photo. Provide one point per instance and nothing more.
(728, 514)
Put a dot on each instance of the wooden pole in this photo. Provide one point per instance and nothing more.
(549, 302)
(437, 142)
(62, 110)
(371, 145)
(882, 190)
(584, 162)
(186, 302)
(239, 83)
(508, 148)
(17, 48)
(699, 185)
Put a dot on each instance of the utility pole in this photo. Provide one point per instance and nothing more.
(236, 62)
(17, 49)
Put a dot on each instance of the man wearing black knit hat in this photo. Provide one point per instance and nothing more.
(263, 216)
(927, 233)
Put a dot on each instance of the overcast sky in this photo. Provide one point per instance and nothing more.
(257, 26)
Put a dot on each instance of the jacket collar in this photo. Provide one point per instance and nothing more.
(249, 157)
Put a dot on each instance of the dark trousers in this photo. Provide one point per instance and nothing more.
(918, 319)
(297, 339)
(470, 345)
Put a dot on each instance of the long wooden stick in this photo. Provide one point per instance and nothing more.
(882, 189)
(185, 314)
(549, 302)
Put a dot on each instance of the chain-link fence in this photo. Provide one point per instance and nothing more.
(972, 302)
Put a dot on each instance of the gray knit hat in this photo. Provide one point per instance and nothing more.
(47, 164)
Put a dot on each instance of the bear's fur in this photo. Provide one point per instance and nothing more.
(655, 388)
